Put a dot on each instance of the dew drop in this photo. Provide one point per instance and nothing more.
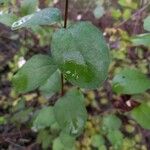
(68, 72)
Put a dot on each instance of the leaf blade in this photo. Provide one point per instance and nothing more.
(47, 16)
(141, 115)
(34, 73)
(70, 112)
(81, 54)
(130, 81)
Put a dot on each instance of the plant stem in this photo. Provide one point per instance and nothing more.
(65, 26)
(66, 14)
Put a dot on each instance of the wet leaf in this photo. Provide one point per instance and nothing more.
(47, 16)
(70, 112)
(34, 73)
(130, 81)
(81, 54)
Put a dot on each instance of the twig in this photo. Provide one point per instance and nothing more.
(14, 144)
(14, 135)
(132, 16)
(65, 26)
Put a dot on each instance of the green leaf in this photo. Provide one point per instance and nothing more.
(52, 85)
(99, 11)
(147, 23)
(111, 122)
(130, 4)
(45, 118)
(28, 6)
(116, 139)
(47, 16)
(81, 54)
(45, 139)
(142, 115)
(22, 116)
(4, 3)
(34, 73)
(2, 120)
(142, 39)
(97, 141)
(130, 81)
(7, 19)
(70, 112)
(67, 139)
(57, 145)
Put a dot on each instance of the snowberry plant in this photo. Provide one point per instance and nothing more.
(79, 55)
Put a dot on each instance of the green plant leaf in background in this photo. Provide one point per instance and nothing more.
(22, 116)
(67, 140)
(99, 11)
(28, 7)
(45, 139)
(111, 122)
(45, 118)
(147, 23)
(47, 16)
(81, 54)
(130, 81)
(70, 112)
(52, 85)
(142, 39)
(116, 139)
(142, 115)
(111, 125)
(58, 145)
(7, 18)
(34, 73)
(127, 3)
(97, 140)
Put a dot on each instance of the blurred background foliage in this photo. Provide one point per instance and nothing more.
(109, 126)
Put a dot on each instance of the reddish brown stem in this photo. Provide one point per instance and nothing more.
(65, 26)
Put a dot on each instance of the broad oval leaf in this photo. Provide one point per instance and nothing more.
(52, 85)
(116, 139)
(45, 118)
(142, 39)
(142, 115)
(130, 81)
(147, 23)
(70, 112)
(81, 54)
(34, 73)
(111, 122)
(97, 140)
(67, 139)
(47, 16)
